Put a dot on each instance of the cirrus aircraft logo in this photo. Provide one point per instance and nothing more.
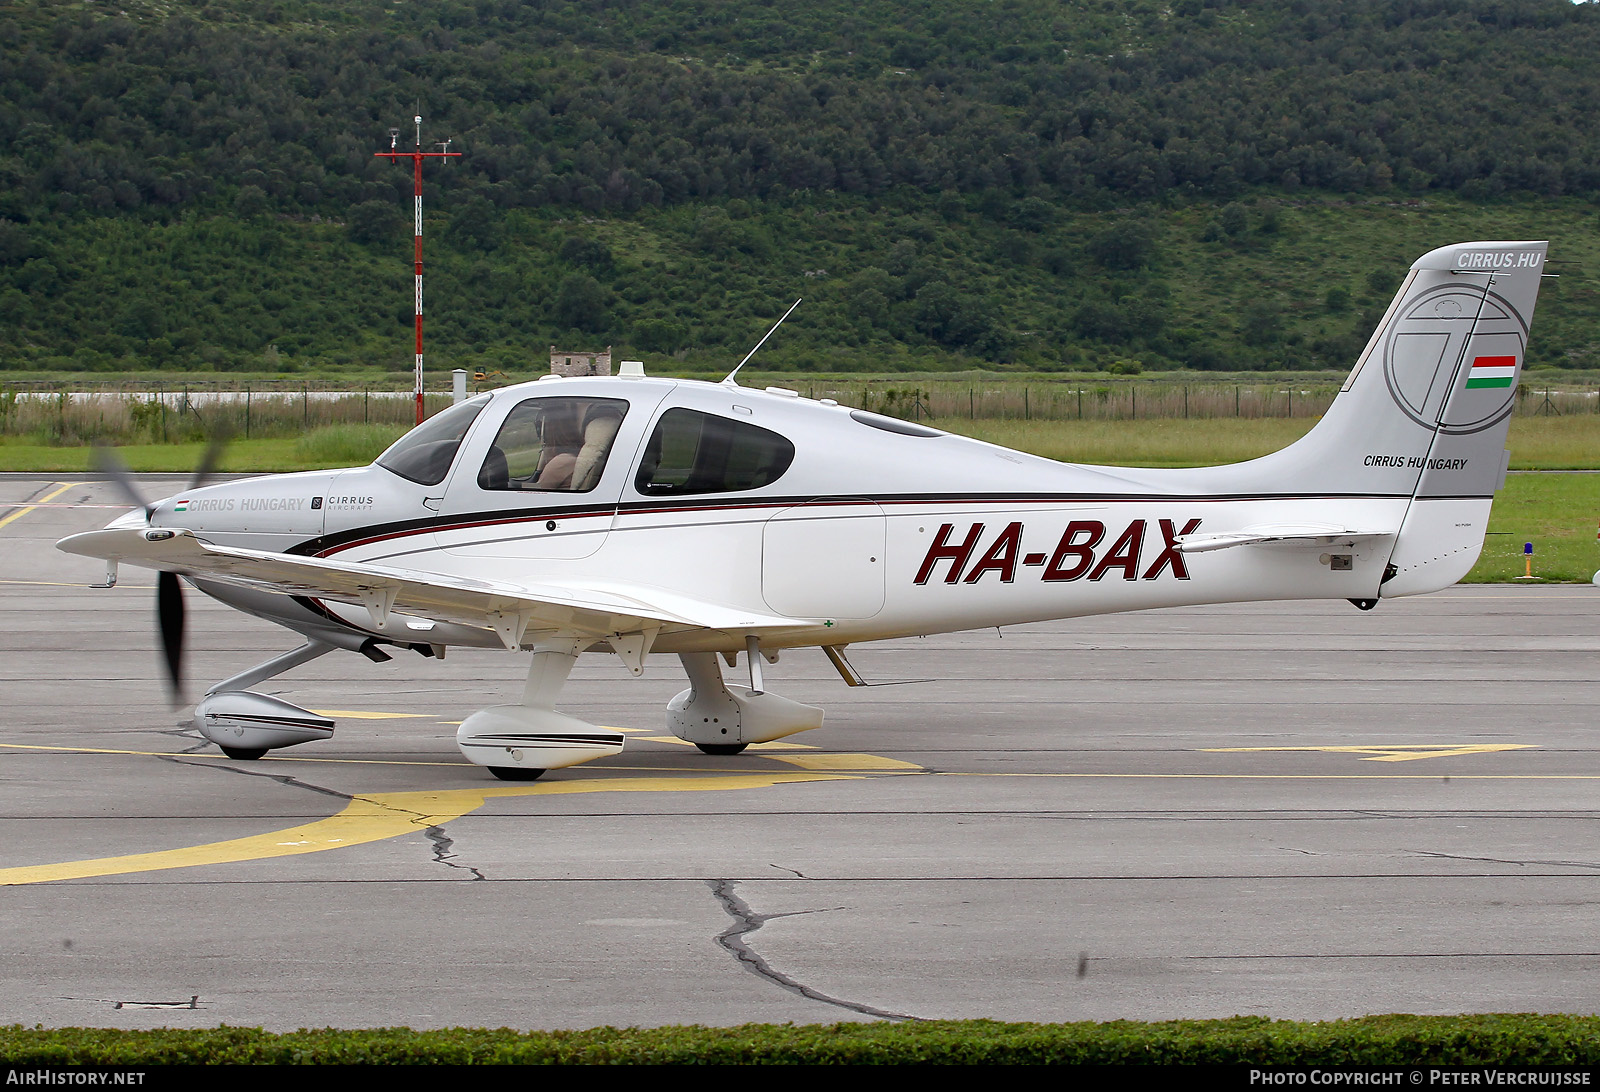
(1444, 326)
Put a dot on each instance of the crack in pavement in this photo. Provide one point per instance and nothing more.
(747, 921)
(1501, 860)
(287, 780)
(441, 842)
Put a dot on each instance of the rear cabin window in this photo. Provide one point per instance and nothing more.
(694, 452)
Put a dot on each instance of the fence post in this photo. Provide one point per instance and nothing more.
(247, 411)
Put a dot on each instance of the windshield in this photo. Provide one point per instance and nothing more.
(424, 454)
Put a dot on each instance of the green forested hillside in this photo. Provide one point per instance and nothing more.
(1022, 183)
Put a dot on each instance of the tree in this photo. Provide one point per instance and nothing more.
(660, 335)
(579, 250)
(475, 226)
(252, 201)
(15, 245)
(949, 316)
(581, 303)
(1126, 244)
(372, 222)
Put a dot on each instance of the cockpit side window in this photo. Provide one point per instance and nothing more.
(553, 444)
(694, 452)
(424, 454)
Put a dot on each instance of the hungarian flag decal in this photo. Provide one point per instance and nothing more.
(1492, 371)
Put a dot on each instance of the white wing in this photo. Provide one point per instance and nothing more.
(604, 611)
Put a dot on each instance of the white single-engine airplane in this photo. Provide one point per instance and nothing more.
(658, 515)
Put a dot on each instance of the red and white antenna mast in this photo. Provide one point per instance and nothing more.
(416, 155)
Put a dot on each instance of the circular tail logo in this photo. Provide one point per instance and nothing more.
(1440, 328)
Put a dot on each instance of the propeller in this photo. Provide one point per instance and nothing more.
(170, 609)
(107, 461)
(169, 623)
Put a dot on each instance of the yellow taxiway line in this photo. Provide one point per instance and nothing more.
(20, 512)
(373, 817)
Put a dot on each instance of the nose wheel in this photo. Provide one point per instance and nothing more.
(721, 748)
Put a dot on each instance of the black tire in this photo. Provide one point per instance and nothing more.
(243, 754)
(516, 773)
(722, 748)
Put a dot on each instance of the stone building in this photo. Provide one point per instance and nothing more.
(567, 362)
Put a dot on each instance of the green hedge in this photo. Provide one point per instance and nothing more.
(1244, 1040)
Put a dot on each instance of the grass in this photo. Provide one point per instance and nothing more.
(1555, 512)
(345, 445)
(1140, 443)
(1537, 443)
(319, 449)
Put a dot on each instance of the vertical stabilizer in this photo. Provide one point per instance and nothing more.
(1426, 409)
(1425, 412)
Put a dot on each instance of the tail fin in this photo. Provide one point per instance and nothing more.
(1425, 412)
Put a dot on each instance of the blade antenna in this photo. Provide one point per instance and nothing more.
(729, 382)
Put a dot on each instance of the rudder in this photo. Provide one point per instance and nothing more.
(1473, 306)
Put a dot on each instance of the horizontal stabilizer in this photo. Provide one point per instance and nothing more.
(1285, 535)
(515, 609)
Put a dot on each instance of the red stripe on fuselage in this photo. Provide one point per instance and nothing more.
(845, 502)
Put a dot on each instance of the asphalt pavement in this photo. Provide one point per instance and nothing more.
(1296, 810)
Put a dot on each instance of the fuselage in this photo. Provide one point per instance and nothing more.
(867, 526)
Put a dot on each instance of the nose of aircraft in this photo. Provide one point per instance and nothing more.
(282, 508)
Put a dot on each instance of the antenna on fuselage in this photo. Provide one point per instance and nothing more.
(729, 381)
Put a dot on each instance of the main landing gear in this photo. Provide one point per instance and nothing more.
(723, 720)
(519, 742)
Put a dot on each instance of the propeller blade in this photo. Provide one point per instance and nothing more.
(169, 620)
(207, 466)
(106, 461)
